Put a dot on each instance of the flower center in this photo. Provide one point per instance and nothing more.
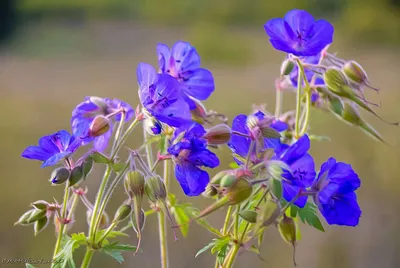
(56, 140)
(299, 174)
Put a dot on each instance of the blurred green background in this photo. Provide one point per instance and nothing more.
(53, 53)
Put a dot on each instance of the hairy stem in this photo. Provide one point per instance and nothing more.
(231, 256)
(62, 224)
(162, 226)
(278, 102)
(122, 140)
(87, 258)
(298, 104)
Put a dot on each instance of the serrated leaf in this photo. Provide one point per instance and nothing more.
(100, 158)
(80, 237)
(64, 258)
(276, 186)
(194, 213)
(309, 215)
(220, 243)
(181, 218)
(222, 254)
(114, 250)
(204, 249)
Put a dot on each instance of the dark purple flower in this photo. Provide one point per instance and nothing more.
(191, 153)
(335, 198)
(309, 73)
(302, 169)
(53, 148)
(162, 96)
(299, 34)
(85, 112)
(240, 145)
(183, 63)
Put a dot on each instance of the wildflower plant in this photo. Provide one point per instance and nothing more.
(271, 185)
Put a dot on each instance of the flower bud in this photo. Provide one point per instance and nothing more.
(36, 214)
(76, 175)
(134, 183)
(155, 189)
(351, 114)
(40, 225)
(199, 113)
(210, 190)
(287, 228)
(335, 80)
(87, 166)
(228, 181)
(269, 212)
(218, 135)
(248, 215)
(152, 126)
(355, 72)
(239, 191)
(217, 177)
(40, 204)
(59, 175)
(287, 67)
(263, 125)
(24, 219)
(99, 126)
(122, 212)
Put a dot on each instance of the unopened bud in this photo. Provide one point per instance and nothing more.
(122, 213)
(335, 80)
(355, 72)
(199, 113)
(40, 204)
(36, 214)
(87, 166)
(269, 212)
(210, 190)
(152, 126)
(155, 189)
(287, 228)
(218, 135)
(263, 126)
(99, 126)
(76, 175)
(40, 225)
(239, 192)
(351, 114)
(287, 67)
(248, 215)
(217, 177)
(228, 180)
(59, 175)
(134, 183)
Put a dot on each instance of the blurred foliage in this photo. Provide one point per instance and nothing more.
(368, 20)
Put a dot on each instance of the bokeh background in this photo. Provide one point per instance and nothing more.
(53, 53)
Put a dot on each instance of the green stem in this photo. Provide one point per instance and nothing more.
(162, 226)
(95, 216)
(307, 91)
(62, 224)
(236, 230)
(124, 137)
(232, 256)
(74, 204)
(298, 103)
(149, 151)
(109, 229)
(87, 258)
(278, 102)
(225, 228)
(118, 132)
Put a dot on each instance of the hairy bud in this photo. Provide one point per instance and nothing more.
(134, 183)
(99, 126)
(122, 212)
(287, 67)
(155, 189)
(76, 175)
(287, 228)
(218, 135)
(152, 126)
(199, 113)
(210, 190)
(87, 166)
(25, 218)
(40, 225)
(248, 215)
(36, 214)
(40, 204)
(228, 180)
(59, 175)
(335, 80)
(239, 191)
(355, 72)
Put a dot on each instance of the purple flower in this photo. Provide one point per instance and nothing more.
(309, 73)
(299, 34)
(302, 169)
(335, 198)
(53, 148)
(162, 96)
(85, 112)
(240, 145)
(191, 153)
(183, 63)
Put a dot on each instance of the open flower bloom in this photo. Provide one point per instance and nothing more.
(53, 148)
(191, 153)
(162, 97)
(335, 198)
(302, 169)
(183, 63)
(299, 34)
(84, 114)
(240, 145)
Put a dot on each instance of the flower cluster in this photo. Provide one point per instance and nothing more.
(273, 179)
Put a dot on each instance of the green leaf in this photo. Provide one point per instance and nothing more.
(115, 250)
(292, 211)
(80, 237)
(100, 158)
(222, 254)
(171, 199)
(220, 243)
(64, 258)
(27, 265)
(181, 218)
(204, 249)
(276, 186)
(309, 215)
(233, 165)
(194, 212)
(118, 167)
(163, 144)
(112, 234)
